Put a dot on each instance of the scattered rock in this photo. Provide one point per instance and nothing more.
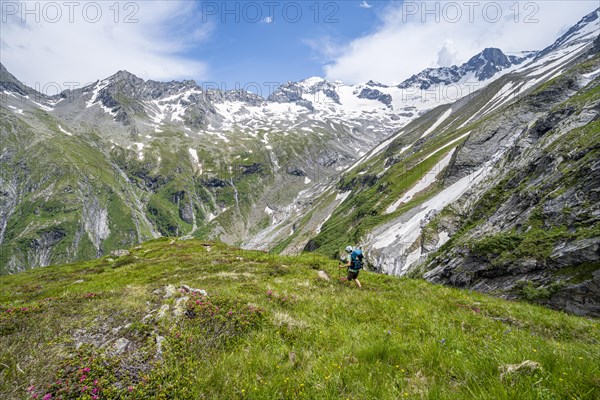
(188, 289)
(311, 246)
(526, 367)
(179, 307)
(119, 253)
(159, 341)
(137, 248)
(295, 170)
(186, 213)
(207, 246)
(169, 291)
(328, 158)
(254, 168)
(581, 298)
(78, 281)
(110, 260)
(186, 237)
(374, 94)
(215, 183)
(323, 276)
(120, 346)
(147, 316)
(163, 311)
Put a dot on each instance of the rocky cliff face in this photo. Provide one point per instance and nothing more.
(532, 230)
(517, 209)
(519, 213)
(495, 192)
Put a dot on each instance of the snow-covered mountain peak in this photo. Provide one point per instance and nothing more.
(375, 84)
(482, 66)
(310, 82)
(487, 63)
(371, 109)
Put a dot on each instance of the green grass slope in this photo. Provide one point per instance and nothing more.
(270, 329)
(56, 189)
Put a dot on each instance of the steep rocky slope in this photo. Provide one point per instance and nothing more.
(502, 180)
(535, 229)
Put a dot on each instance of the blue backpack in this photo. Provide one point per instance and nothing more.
(357, 260)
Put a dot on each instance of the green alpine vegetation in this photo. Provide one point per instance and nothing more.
(190, 319)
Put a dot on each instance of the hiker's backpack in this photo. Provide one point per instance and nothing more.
(357, 260)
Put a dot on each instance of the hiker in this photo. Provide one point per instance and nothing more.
(354, 263)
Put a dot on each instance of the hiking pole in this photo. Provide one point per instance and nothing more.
(340, 273)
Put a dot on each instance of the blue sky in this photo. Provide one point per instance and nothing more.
(281, 50)
(386, 41)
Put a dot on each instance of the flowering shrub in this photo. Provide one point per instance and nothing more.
(9, 312)
(281, 299)
(90, 375)
(222, 318)
(11, 317)
(82, 376)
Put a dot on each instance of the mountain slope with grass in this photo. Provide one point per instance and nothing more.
(188, 319)
(78, 181)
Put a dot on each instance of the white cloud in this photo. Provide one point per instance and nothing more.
(267, 20)
(417, 35)
(448, 54)
(73, 48)
(364, 4)
(326, 48)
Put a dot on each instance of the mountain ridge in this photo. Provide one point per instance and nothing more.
(481, 66)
